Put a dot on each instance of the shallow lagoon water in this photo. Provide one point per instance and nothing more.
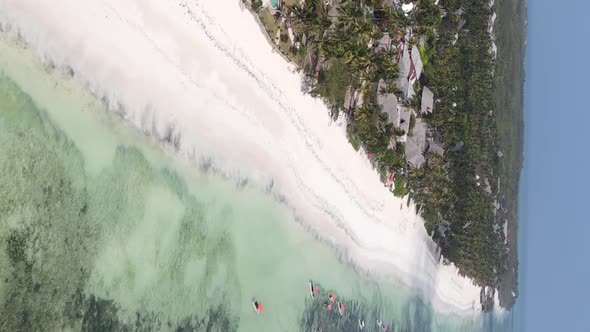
(102, 228)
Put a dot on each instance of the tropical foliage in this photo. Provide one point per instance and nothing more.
(337, 55)
(452, 191)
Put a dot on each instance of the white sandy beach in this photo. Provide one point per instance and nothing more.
(205, 69)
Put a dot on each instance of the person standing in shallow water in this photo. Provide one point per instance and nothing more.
(258, 307)
(332, 297)
(361, 324)
(313, 289)
(341, 308)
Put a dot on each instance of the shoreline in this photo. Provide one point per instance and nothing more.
(282, 140)
(509, 85)
(263, 31)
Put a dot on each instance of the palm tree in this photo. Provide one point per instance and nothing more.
(305, 13)
(308, 18)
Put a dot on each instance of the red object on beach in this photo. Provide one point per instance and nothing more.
(315, 290)
(260, 307)
(332, 298)
(329, 307)
(342, 307)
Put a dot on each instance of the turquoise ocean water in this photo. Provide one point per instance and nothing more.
(104, 229)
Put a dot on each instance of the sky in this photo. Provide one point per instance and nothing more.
(555, 262)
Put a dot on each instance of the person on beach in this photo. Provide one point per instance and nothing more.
(341, 308)
(327, 306)
(258, 307)
(381, 325)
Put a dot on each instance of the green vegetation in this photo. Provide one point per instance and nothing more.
(400, 190)
(272, 25)
(256, 4)
(427, 15)
(340, 55)
(509, 76)
(457, 193)
(269, 23)
(333, 82)
(459, 190)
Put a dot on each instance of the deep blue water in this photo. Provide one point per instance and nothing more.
(553, 209)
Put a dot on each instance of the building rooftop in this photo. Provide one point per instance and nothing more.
(405, 113)
(388, 102)
(436, 147)
(404, 64)
(349, 99)
(384, 44)
(458, 146)
(427, 101)
(416, 145)
(393, 3)
(417, 61)
(410, 69)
